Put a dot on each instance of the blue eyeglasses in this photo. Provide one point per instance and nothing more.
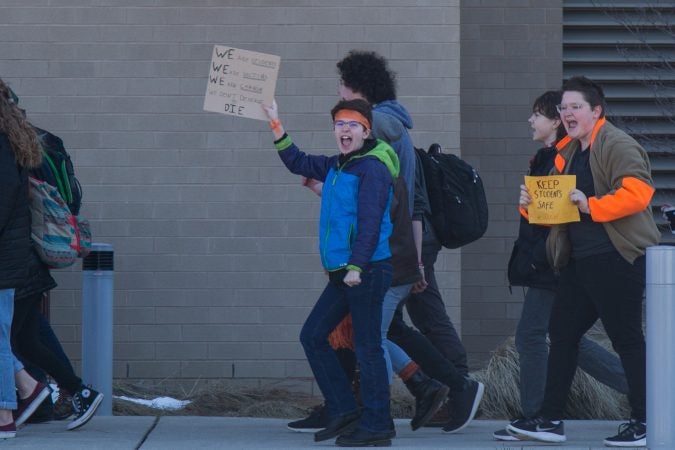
(352, 124)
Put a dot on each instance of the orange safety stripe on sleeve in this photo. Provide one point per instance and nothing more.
(632, 197)
(524, 213)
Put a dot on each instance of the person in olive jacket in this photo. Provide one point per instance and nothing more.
(601, 259)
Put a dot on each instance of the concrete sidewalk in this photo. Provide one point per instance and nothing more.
(189, 432)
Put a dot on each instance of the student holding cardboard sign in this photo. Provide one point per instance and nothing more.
(528, 267)
(601, 259)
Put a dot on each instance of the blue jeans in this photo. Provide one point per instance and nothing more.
(364, 302)
(9, 365)
(394, 356)
(533, 353)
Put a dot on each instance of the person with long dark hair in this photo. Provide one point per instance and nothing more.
(27, 341)
(19, 152)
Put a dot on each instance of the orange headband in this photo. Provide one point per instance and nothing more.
(350, 114)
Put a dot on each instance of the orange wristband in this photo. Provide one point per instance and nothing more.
(274, 124)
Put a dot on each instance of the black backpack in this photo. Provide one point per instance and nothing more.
(459, 209)
(57, 170)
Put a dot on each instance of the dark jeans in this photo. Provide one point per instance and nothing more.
(26, 339)
(49, 339)
(423, 352)
(364, 302)
(428, 314)
(533, 353)
(608, 287)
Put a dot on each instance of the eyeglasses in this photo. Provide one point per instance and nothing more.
(352, 124)
(574, 107)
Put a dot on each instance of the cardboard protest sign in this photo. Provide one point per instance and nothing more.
(551, 199)
(240, 81)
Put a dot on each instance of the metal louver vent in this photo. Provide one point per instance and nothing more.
(629, 48)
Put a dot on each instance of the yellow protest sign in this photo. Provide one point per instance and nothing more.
(551, 199)
(240, 81)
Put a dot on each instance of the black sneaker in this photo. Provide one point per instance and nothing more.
(503, 435)
(317, 420)
(631, 434)
(363, 438)
(539, 429)
(338, 425)
(463, 405)
(85, 403)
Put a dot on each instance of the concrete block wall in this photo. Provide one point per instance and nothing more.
(511, 53)
(215, 251)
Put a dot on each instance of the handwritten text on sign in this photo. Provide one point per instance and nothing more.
(240, 81)
(551, 199)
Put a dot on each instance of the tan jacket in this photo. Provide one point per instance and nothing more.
(623, 190)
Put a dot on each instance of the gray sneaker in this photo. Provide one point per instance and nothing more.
(631, 434)
(503, 435)
(539, 429)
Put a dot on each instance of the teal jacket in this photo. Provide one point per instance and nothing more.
(354, 225)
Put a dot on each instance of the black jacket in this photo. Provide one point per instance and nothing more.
(15, 242)
(38, 278)
(528, 265)
(401, 241)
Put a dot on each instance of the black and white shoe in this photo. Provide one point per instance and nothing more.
(503, 435)
(631, 434)
(539, 429)
(85, 402)
(463, 405)
(317, 420)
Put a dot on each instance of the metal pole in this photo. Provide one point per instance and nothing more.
(660, 343)
(97, 322)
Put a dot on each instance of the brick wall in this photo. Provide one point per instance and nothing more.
(216, 264)
(511, 53)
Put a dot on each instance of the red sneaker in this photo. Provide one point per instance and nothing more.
(27, 406)
(8, 431)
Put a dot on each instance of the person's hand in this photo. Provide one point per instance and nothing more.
(420, 286)
(353, 278)
(272, 110)
(314, 185)
(525, 198)
(579, 198)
